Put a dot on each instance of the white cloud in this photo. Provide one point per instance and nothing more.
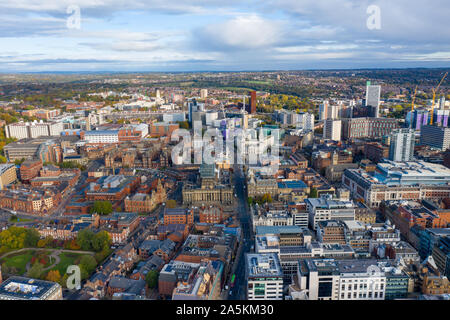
(434, 56)
(243, 32)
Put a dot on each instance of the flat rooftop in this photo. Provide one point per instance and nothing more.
(21, 288)
(263, 265)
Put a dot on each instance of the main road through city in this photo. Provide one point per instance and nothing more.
(238, 292)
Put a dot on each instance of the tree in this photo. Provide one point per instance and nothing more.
(313, 193)
(102, 208)
(183, 125)
(89, 241)
(5, 269)
(35, 271)
(13, 238)
(100, 256)
(171, 204)
(53, 276)
(63, 281)
(152, 278)
(31, 238)
(84, 239)
(19, 162)
(47, 242)
(88, 262)
(266, 198)
(101, 241)
(41, 243)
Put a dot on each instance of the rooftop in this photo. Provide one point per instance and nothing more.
(21, 288)
(263, 265)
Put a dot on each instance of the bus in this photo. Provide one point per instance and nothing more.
(233, 277)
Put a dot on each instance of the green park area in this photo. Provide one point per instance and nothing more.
(67, 259)
(47, 264)
(23, 253)
(17, 263)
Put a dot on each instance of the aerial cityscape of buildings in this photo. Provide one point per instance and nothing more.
(356, 205)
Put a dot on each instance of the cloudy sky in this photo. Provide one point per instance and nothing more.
(201, 35)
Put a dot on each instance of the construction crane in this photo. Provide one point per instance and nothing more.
(434, 96)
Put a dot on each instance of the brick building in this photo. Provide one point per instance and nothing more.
(141, 202)
(39, 201)
(376, 151)
(30, 169)
(211, 214)
(178, 216)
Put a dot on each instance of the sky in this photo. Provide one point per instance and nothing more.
(222, 35)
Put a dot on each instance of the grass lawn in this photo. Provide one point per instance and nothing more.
(259, 81)
(67, 258)
(18, 261)
(236, 89)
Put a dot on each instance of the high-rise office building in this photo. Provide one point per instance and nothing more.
(402, 145)
(418, 118)
(323, 109)
(435, 137)
(440, 117)
(373, 93)
(442, 102)
(195, 111)
(328, 111)
(332, 129)
(251, 106)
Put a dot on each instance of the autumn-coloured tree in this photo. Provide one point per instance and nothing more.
(171, 204)
(53, 275)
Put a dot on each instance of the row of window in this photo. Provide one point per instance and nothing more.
(375, 295)
(361, 286)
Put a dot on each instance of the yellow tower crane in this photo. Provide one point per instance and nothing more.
(434, 96)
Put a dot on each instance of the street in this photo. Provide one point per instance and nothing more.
(238, 292)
